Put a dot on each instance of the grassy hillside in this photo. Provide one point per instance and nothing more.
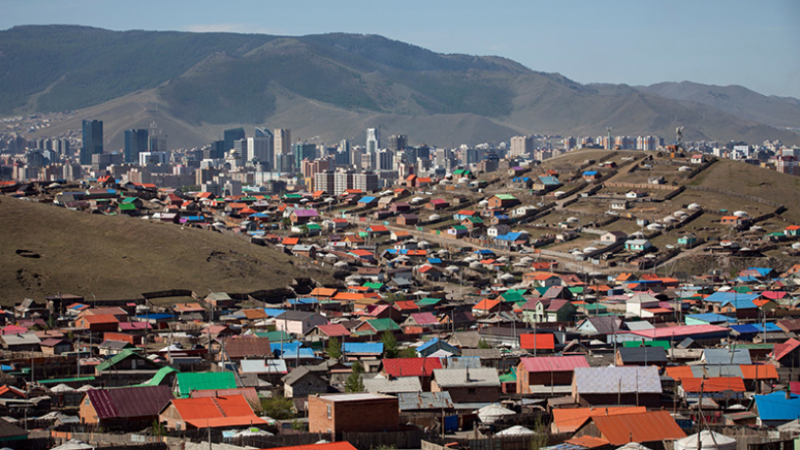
(119, 257)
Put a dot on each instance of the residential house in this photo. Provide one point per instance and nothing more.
(127, 408)
(637, 245)
(640, 386)
(232, 411)
(407, 219)
(545, 373)
(359, 412)
(298, 323)
(421, 368)
(641, 356)
(97, 323)
(612, 237)
(303, 216)
(245, 347)
(648, 429)
(302, 382)
(502, 201)
(481, 385)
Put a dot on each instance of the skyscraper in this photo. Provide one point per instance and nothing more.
(232, 135)
(373, 140)
(398, 142)
(303, 151)
(136, 141)
(521, 146)
(282, 144)
(92, 140)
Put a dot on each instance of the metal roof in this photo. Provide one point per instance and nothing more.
(554, 363)
(776, 406)
(726, 356)
(604, 380)
(129, 402)
(380, 385)
(642, 427)
(466, 377)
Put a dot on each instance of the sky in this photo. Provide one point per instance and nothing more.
(721, 42)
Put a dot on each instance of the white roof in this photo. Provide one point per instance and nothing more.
(709, 440)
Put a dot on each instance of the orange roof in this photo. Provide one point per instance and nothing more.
(290, 241)
(238, 205)
(401, 233)
(678, 373)
(625, 277)
(100, 318)
(540, 341)
(189, 307)
(209, 408)
(348, 296)
(568, 420)
(760, 372)
(254, 314)
(323, 292)
(486, 304)
(715, 384)
(730, 218)
(642, 427)
(587, 441)
(761, 302)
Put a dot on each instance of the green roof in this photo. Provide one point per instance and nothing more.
(756, 346)
(248, 199)
(662, 344)
(474, 219)
(459, 227)
(65, 380)
(201, 381)
(111, 362)
(428, 301)
(293, 196)
(159, 377)
(576, 289)
(509, 377)
(513, 296)
(593, 307)
(276, 336)
(381, 325)
(313, 226)
(127, 207)
(129, 199)
(505, 197)
(742, 289)
(374, 285)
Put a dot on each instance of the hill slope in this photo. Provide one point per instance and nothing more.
(213, 80)
(119, 257)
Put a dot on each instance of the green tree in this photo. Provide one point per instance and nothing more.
(390, 349)
(483, 344)
(542, 434)
(334, 348)
(278, 408)
(407, 352)
(354, 383)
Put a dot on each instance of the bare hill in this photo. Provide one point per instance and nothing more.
(116, 257)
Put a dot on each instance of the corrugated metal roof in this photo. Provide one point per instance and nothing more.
(189, 381)
(715, 384)
(726, 356)
(776, 406)
(129, 402)
(643, 427)
(411, 367)
(568, 420)
(393, 386)
(466, 377)
(363, 347)
(553, 363)
(603, 380)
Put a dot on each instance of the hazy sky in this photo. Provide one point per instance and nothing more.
(752, 43)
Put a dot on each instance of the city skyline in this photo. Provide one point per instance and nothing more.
(715, 42)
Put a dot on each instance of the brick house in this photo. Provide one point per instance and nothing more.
(124, 407)
(547, 371)
(407, 219)
(360, 412)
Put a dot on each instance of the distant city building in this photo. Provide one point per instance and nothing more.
(398, 142)
(92, 140)
(373, 140)
(231, 136)
(521, 146)
(146, 158)
(303, 151)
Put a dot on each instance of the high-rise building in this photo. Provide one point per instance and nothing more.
(521, 146)
(386, 159)
(260, 147)
(92, 140)
(366, 181)
(301, 151)
(326, 181)
(342, 180)
(230, 136)
(398, 142)
(283, 141)
(373, 140)
(136, 141)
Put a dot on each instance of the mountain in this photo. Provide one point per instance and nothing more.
(326, 87)
(739, 101)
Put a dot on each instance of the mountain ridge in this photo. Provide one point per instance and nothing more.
(213, 80)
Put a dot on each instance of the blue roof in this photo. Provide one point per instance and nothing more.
(303, 301)
(747, 279)
(367, 199)
(434, 260)
(513, 236)
(287, 347)
(274, 312)
(363, 347)
(744, 329)
(771, 327)
(549, 181)
(776, 406)
(154, 316)
(712, 318)
(763, 271)
(719, 297)
(298, 353)
(195, 218)
(590, 173)
(483, 252)
(740, 304)
(428, 344)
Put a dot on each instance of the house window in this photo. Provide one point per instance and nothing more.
(471, 391)
(329, 411)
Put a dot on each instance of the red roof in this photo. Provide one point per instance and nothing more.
(715, 384)
(100, 318)
(782, 350)
(425, 318)
(539, 341)
(129, 402)
(334, 330)
(679, 331)
(553, 363)
(641, 428)
(486, 304)
(406, 305)
(411, 367)
(568, 420)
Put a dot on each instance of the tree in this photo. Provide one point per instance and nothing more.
(542, 435)
(278, 408)
(407, 352)
(334, 348)
(483, 344)
(354, 383)
(390, 349)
